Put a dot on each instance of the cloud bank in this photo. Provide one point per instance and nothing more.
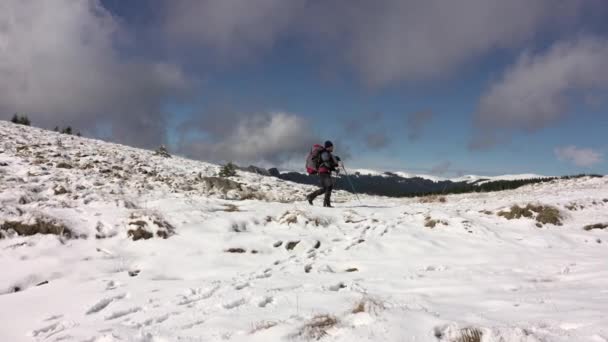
(583, 157)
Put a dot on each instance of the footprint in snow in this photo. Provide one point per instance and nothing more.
(241, 286)
(265, 302)
(102, 304)
(122, 313)
(235, 304)
(50, 330)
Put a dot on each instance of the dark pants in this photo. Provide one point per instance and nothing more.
(327, 185)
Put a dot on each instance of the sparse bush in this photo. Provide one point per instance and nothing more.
(228, 170)
(20, 120)
(162, 151)
(67, 130)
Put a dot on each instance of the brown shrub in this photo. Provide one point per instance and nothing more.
(544, 213)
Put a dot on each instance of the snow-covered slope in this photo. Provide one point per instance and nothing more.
(277, 269)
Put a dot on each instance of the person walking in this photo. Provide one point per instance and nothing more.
(326, 163)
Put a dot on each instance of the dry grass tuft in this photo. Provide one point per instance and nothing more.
(231, 208)
(469, 335)
(317, 327)
(369, 305)
(432, 199)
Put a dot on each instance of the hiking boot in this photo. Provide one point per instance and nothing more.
(309, 199)
(327, 205)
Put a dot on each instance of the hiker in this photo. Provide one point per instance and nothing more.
(322, 161)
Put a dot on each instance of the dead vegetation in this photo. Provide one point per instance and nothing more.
(40, 226)
(469, 335)
(431, 223)
(369, 305)
(317, 327)
(596, 226)
(230, 208)
(432, 199)
(544, 214)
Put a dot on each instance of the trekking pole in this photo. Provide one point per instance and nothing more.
(351, 183)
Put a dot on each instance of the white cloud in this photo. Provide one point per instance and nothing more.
(59, 63)
(384, 41)
(539, 88)
(583, 157)
(273, 137)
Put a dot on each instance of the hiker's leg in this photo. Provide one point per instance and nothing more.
(327, 184)
(327, 200)
(317, 192)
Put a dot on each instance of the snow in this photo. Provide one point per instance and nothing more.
(477, 272)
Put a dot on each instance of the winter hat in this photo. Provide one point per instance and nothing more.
(328, 144)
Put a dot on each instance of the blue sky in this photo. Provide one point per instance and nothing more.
(484, 87)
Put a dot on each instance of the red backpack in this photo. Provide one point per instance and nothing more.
(313, 159)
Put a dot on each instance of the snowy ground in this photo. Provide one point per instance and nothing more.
(364, 271)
